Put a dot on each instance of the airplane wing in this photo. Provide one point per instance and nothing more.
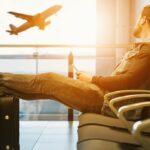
(22, 16)
(50, 11)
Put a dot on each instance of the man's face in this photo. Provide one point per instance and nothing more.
(142, 27)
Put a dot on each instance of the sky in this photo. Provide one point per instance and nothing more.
(75, 23)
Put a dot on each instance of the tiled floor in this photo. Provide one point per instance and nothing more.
(48, 135)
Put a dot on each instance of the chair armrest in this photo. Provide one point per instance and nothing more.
(115, 94)
(123, 98)
(127, 108)
(137, 130)
(140, 126)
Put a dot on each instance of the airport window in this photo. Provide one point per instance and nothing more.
(74, 25)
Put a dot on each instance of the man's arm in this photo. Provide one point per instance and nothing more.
(131, 79)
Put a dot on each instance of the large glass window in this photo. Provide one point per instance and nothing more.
(74, 24)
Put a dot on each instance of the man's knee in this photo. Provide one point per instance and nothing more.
(94, 101)
(95, 92)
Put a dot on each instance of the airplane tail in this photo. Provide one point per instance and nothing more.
(13, 29)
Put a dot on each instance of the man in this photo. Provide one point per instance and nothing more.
(86, 93)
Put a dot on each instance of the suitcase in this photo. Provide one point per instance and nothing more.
(9, 123)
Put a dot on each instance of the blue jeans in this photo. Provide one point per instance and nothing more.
(79, 95)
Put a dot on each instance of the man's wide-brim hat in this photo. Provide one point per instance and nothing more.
(142, 28)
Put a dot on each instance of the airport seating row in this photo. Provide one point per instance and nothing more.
(99, 131)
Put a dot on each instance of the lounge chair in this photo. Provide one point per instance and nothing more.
(95, 128)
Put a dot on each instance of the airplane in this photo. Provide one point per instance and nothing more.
(31, 21)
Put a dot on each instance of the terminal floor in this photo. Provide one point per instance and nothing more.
(48, 135)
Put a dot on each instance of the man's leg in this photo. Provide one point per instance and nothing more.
(80, 95)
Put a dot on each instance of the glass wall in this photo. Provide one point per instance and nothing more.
(74, 24)
(40, 60)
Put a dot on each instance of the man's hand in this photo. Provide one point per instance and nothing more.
(83, 76)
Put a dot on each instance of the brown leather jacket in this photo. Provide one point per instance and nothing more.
(132, 72)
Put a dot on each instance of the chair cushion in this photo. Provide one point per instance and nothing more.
(97, 119)
(91, 132)
(105, 145)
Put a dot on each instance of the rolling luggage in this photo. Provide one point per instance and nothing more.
(9, 123)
